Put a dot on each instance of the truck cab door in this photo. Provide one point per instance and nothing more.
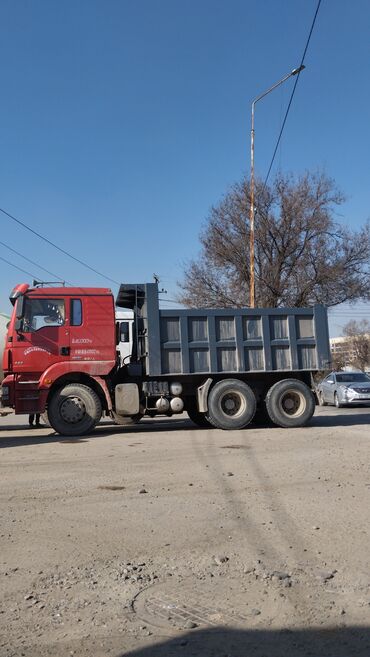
(125, 328)
(92, 332)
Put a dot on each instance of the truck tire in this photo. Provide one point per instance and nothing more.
(290, 403)
(231, 404)
(74, 410)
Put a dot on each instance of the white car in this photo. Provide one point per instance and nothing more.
(344, 389)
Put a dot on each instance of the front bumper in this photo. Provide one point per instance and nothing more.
(354, 399)
(23, 395)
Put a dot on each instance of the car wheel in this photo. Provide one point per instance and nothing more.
(336, 401)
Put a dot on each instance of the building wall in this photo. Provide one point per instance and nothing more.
(340, 347)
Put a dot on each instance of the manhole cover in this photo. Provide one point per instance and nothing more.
(204, 603)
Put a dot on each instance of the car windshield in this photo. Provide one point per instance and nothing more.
(353, 377)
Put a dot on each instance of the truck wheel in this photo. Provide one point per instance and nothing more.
(231, 404)
(74, 410)
(290, 403)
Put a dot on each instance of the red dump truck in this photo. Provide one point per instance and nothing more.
(220, 365)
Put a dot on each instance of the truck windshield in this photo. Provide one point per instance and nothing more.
(43, 312)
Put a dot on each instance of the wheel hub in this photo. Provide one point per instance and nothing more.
(232, 404)
(72, 410)
(293, 403)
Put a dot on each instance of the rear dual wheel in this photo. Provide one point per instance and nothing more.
(231, 404)
(290, 403)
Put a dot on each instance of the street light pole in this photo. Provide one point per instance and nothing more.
(295, 71)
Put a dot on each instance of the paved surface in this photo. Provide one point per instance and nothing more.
(164, 539)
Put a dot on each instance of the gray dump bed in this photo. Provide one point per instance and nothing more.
(227, 340)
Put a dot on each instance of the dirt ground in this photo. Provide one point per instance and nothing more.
(167, 540)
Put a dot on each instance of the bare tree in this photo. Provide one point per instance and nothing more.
(338, 361)
(358, 334)
(302, 255)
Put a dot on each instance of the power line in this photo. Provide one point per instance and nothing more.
(349, 311)
(292, 94)
(21, 223)
(19, 268)
(31, 261)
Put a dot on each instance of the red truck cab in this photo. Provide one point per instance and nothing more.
(56, 335)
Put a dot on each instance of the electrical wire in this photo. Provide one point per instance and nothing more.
(19, 268)
(31, 261)
(81, 262)
(292, 95)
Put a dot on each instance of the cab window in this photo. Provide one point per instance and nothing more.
(124, 332)
(76, 312)
(40, 313)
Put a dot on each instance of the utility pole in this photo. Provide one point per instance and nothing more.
(295, 71)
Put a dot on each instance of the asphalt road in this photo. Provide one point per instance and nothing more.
(164, 539)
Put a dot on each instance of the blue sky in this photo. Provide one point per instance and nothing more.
(122, 122)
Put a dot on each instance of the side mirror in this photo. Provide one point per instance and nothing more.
(20, 305)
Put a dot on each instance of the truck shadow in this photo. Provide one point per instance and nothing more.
(337, 419)
(348, 641)
(47, 435)
(341, 419)
(159, 425)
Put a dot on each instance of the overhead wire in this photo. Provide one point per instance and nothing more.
(19, 268)
(31, 261)
(292, 95)
(45, 239)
